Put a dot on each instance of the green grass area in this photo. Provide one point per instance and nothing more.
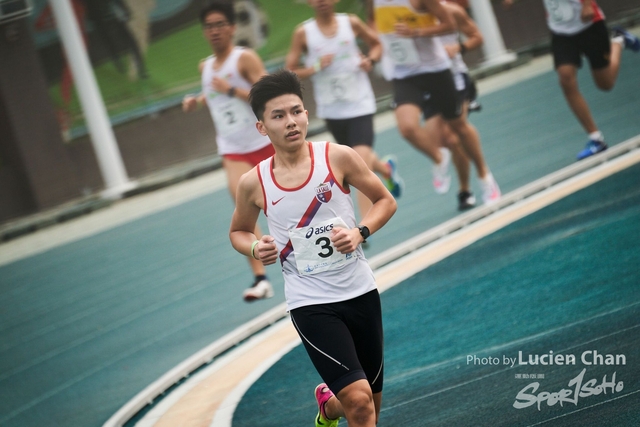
(172, 62)
(285, 15)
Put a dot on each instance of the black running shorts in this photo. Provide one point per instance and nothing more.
(432, 92)
(468, 93)
(592, 42)
(344, 340)
(352, 132)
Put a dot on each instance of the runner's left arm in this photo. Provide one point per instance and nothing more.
(588, 11)
(466, 26)
(251, 69)
(370, 37)
(350, 170)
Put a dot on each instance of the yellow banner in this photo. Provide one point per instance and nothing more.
(387, 16)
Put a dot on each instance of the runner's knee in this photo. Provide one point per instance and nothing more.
(409, 131)
(357, 402)
(568, 81)
(604, 83)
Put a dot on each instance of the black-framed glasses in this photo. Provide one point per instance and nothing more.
(215, 25)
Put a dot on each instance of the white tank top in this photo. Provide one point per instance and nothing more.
(407, 56)
(457, 63)
(300, 219)
(563, 16)
(342, 90)
(458, 67)
(233, 118)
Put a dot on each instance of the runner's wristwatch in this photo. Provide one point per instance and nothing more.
(364, 232)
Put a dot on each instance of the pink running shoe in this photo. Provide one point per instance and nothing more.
(490, 190)
(323, 394)
(441, 175)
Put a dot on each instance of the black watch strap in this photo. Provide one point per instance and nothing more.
(364, 232)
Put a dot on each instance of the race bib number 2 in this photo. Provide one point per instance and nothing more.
(232, 116)
(313, 250)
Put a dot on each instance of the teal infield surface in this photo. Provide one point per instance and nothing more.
(536, 324)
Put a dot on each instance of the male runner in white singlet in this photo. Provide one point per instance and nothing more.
(227, 77)
(578, 28)
(417, 63)
(343, 93)
(435, 125)
(330, 289)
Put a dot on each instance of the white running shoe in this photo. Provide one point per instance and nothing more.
(261, 290)
(490, 190)
(441, 176)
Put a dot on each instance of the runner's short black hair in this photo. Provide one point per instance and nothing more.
(282, 82)
(224, 7)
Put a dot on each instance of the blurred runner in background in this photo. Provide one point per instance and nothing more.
(343, 93)
(417, 63)
(578, 28)
(227, 77)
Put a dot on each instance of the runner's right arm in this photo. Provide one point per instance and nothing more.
(190, 102)
(249, 202)
(297, 48)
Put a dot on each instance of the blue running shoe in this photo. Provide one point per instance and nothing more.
(630, 41)
(394, 183)
(593, 147)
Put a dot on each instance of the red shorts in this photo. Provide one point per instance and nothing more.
(254, 157)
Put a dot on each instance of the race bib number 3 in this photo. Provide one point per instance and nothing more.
(313, 249)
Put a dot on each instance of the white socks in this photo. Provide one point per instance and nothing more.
(596, 136)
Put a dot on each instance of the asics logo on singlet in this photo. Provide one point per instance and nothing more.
(318, 230)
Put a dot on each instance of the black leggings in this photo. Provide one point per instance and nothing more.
(344, 340)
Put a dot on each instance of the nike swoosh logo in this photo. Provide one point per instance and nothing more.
(277, 201)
